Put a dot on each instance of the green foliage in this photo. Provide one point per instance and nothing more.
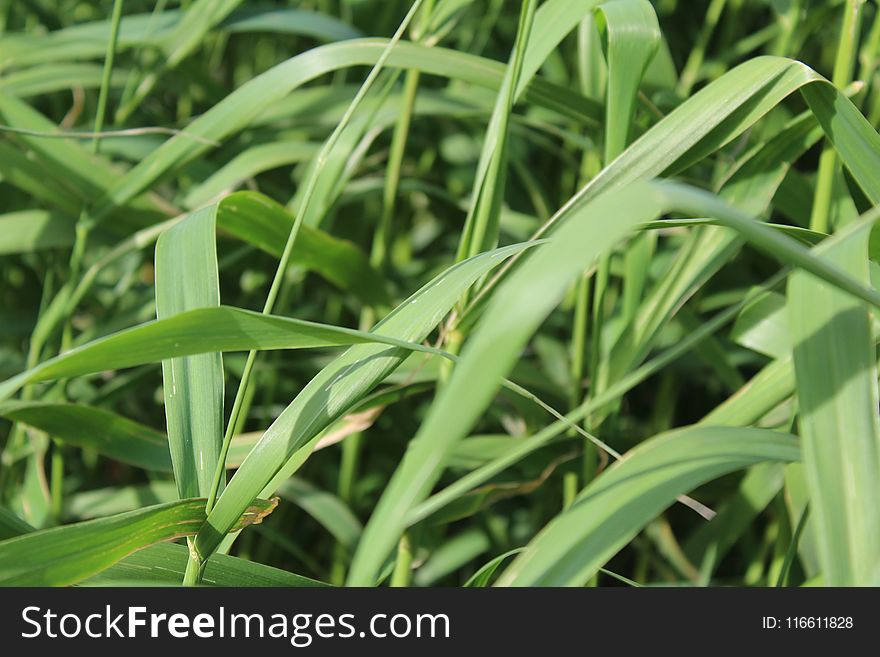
(566, 293)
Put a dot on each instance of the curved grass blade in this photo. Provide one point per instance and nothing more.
(247, 164)
(238, 109)
(610, 511)
(483, 576)
(631, 37)
(284, 20)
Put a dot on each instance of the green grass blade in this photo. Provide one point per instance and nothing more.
(483, 576)
(480, 231)
(518, 308)
(631, 37)
(836, 374)
(609, 512)
(93, 428)
(197, 332)
(27, 231)
(165, 564)
(554, 20)
(187, 279)
(721, 111)
(763, 326)
(247, 164)
(57, 77)
(258, 220)
(11, 525)
(89, 40)
(283, 20)
(69, 554)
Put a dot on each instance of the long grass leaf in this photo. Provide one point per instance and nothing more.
(69, 554)
(187, 279)
(836, 374)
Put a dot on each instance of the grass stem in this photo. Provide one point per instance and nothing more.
(821, 219)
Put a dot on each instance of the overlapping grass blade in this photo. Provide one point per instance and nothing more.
(164, 565)
(69, 554)
(89, 40)
(338, 387)
(483, 576)
(674, 265)
(518, 308)
(237, 109)
(611, 510)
